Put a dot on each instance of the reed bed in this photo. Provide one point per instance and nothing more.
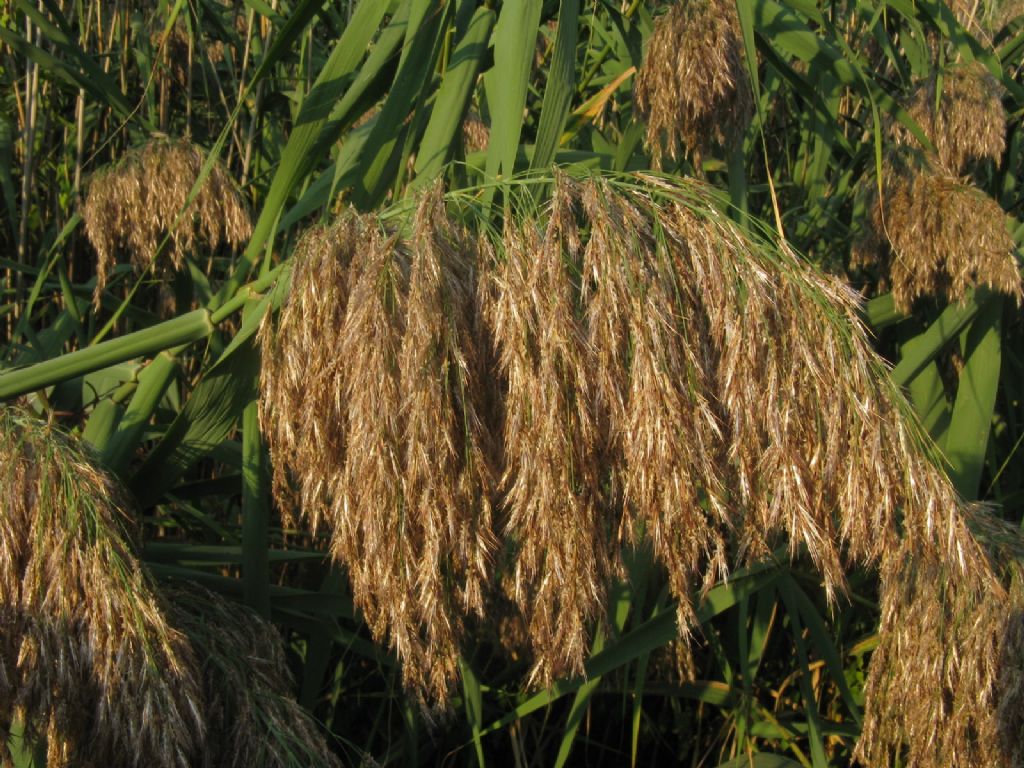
(661, 376)
(134, 204)
(89, 659)
(693, 88)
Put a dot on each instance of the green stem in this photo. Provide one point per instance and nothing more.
(153, 382)
(195, 325)
(181, 330)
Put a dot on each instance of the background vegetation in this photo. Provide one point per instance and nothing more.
(313, 107)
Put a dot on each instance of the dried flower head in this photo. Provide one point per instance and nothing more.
(303, 408)
(475, 134)
(962, 114)
(390, 446)
(552, 476)
(693, 87)
(132, 205)
(86, 654)
(662, 376)
(935, 688)
(945, 237)
(252, 716)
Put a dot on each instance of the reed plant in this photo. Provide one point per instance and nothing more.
(525, 466)
(91, 662)
(663, 377)
(147, 199)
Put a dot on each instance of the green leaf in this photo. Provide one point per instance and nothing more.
(787, 588)
(560, 87)
(760, 760)
(971, 423)
(654, 633)
(450, 104)
(474, 707)
(506, 83)
(208, 417)
(189, 327)
(380, 156)
(922, 350)
(318, 125)
(153, 383)
(255, 514)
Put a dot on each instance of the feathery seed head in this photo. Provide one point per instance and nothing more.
(661, 375)
(87, 654)
(253, 718)
(390, 447)
(132, 205)
(476, 135)
(962, 114)
(552, 476)
(693, 87)
(946, 237)
(303, 407)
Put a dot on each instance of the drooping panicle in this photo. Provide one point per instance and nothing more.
(552, 478)
(940, 236)
(447, 482)
(961, 112)
(252, 717)
(392, 446)
(303, 407)
(661, 376)
(693, 88)
(87, 655)
(135, 203)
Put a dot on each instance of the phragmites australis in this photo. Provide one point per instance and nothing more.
(388, 446)
(944, 236)
(693, 87)
(476, 136)
(252, 717)
(936, 233)
(88, 657)
(135, 203)
(659, 375)
(552, 476)
(961, 114)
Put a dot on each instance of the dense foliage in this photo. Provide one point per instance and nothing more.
(189, 187)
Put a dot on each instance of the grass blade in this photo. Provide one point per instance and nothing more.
(971, 422)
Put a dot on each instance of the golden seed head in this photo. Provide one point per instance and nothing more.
(944, 237)
(962, 114)
(476, 135)
(693, 87)
(390, 446)
(658, 375)
(133, 205)
(86, 653)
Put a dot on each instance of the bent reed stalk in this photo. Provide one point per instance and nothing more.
(660, 375)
